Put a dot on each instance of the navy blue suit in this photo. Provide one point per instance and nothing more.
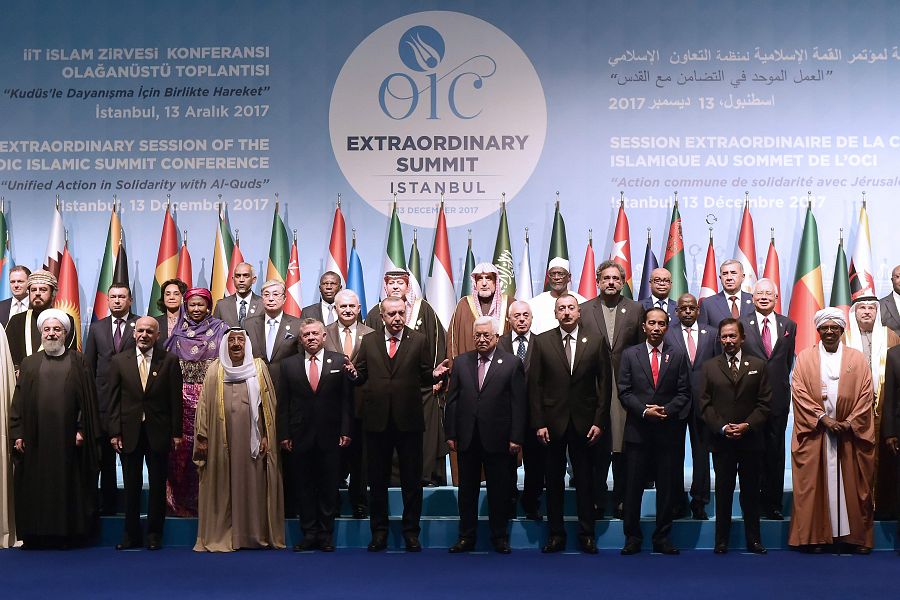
(715, 308)
(652, 302)
(652, 442)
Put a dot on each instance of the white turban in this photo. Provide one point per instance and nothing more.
(55, 313)
(558, 262)
(830, 314)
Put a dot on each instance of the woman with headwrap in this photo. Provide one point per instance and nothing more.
(195, 341)
(241, 502)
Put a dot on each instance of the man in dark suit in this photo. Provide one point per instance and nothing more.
(394, 367)
(890, 304)
(18, 287)
(22, 331)
(517, 342)
(485, 424)
(734, 404)
(699, 344)
(771, 337)
(344, 336)
(731, 301)
(569, 393)
(890, 415)
(324, 310)
(244, 302)
(660, 285)
(145, 421)
(655, 389)
(618, 320)
(273, 333)
(315, 399)
(106, 338)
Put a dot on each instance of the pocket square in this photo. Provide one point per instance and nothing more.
(335, 371)
(288, 335)
(752, 372)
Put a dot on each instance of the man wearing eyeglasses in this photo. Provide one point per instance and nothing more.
(660, 286)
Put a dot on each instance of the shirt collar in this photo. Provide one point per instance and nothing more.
(650, 348)
(526, 335)
(276, 318)
(573, 333)
(248, 297)
(738, 356)
(490, 357)
(388, 335)
(148, 353)
(319, 355)
(694, 328)
(761, 317)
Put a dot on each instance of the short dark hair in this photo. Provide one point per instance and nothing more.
(610, 264)
(22, 268)
(731, 321)
(182, 287)
(656, 308)
(119, 284)
(329, 274)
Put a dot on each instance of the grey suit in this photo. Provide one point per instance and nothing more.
(286, 340)
(889, 316)
(227, 310)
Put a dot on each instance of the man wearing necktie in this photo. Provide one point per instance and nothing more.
(18, 287)
(344, 336)
(654, 388)
(731, 301)
(325, 310)
(660, 285)
(145, 422)
(244, 303)
(106, 338)
(771, 337)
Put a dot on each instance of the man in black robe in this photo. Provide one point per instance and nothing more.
(22, 329)
(55, 428)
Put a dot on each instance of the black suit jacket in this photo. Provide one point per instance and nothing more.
(498, 408)
(706, 349)
(393, 386)
(506, 344)
(636, 392)
(628, 330)
(160, 404)
(314, 418)
(286, 341)
(650, 302)
(227, 311)
(780, 363)
(724, 400)
(5, 307)
(889, 316)
(557, 396)
(716, 307)
(890, 407)
(99, 351)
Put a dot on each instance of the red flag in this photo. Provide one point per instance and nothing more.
(772, 272)
(587, 287)
(67, 298)
(709, 286)
(621, 250)
(185, 271)
(337, 247)
(292, 300)
(237, 257)
(746, 250)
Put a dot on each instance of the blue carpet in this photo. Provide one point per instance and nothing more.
(433, 574)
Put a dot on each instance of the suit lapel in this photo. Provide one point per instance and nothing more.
(617, 328)
(152, 371)
(723, 364)
(664, 360)
(645, 362)
(580, 348)
(560, 351)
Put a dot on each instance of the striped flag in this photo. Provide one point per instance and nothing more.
(524, 286)
(807, 296)
(621, 249)
(355, 275)
(224, 246)
(840, 286)
(185, 271)
(293, 302)
(393, 255)
(559, 247)
(337, 247)
(56, 243)
(5, 258)
(237, 257)
(503, 258)
(745, 252)
(107, 266)
(709, 286)
(862, 279)
(67, 298)
(650, 263)
(279, 250)
(166, 261)
(466, 287)
(415, 267)
(440, 290)
(772, 270)
(587, 287)
(674, 256)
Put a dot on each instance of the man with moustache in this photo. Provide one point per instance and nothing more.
(731, 301)
(324, 310)
(569, 393)
(18, 288)
(660, 285)
(484, 301)
(244, 302)
(22, 329)
(654, 387)
(543, 306)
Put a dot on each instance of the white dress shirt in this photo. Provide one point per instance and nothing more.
(572, 344)
(320, 355)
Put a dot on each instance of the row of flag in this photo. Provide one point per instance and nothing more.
(173, 260)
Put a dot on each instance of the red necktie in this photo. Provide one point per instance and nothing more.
(393, 349)
(691, 346)
(767, 338)
(735, 313)
(313, 373)
(654, 366)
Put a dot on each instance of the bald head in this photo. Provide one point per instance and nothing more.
(660, 283)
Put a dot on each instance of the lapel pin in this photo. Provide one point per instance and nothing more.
(702, 331)
(499, 361)
(154, 373)
(753, 322)
(667, 359)
(747, 301)
(328, 360)
(623, 311)
(132, 323)
(584, 340)
(288, 327)
(746, 364)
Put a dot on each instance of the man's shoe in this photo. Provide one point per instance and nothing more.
(666, 548)
(378, 543)
(588, 545)
(630, 548)
(774, 515)
(720, 549)
(306, 545)
(619, 512)
(757, 548)
(128, 545)
(864, 550)
(554, 544)
(360, 513)
(326, 544)
(502, 547)
(698, 512)
(412, 544)
(154, 542)
(462, 545)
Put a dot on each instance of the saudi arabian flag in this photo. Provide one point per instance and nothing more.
(674, 256)
(807, 297)
(466, 287)
(503, 258)
(559, 248)
(393, 256)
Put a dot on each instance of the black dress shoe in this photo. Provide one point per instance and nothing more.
(502, 547)
(630, 548)
(619, 512)
(462, 545)
(774, 515)
(813, 549)
(698, 513)
(666, 548)
(326, 545)
(588, 545)
(360, 513)
(864, 550)
(128, 546)
(378, 543)
(721, 549)
(305, 545)
(757, 548)
(412, 544)
(554, 544)
(154, 542)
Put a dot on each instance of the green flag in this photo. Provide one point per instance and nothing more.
(279, 250)
(840, 288)
(807, 296)
(466, 288)
(559, 247)
(503, 258)
(415, 267)
(674, 261)
(393, 257)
